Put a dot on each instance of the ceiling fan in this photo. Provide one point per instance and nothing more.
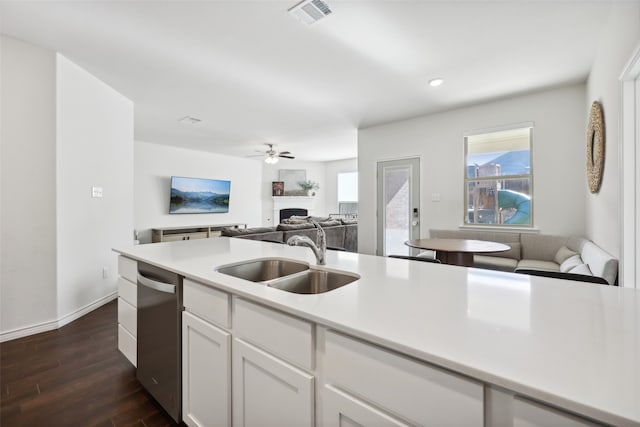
(273, 155)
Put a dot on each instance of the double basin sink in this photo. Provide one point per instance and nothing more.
(289, 275)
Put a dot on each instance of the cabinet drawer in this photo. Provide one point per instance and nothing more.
(387, 379)
(206, 302)
(127, 345)
(128, 269)
(128, 317)
(128, 291)
(280, 334)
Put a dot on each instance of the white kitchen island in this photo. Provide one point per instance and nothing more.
(409, 343)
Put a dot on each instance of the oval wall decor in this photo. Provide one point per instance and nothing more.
(595, 147)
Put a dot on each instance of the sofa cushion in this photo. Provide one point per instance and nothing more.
(322, 218)
(287, 227)
(513, 253)
(334, 236)
(563, 253)
(581, 269)
(534, 264)
(233, 232)
(272, 236)
(494, 263)
(294, 221)
(541, 246)
(351, 237)
(349, 221)
(330, 223)
(571, 262)
(427, 254)
(600, 262)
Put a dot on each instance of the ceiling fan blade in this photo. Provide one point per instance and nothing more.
(285, 156)
(285, 152)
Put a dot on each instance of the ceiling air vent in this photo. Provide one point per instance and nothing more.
(310, 11)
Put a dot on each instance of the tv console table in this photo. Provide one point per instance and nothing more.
(171, 234)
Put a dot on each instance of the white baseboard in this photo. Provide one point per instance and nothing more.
(56, 324)
(67, 318)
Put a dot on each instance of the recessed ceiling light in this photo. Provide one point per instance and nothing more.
(436, 82)
(189, 120)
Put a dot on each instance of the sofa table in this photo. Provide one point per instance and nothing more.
(457, 251)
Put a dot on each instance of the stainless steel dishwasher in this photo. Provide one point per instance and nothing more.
(160, 336)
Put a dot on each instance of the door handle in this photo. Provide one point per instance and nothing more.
(158, 286)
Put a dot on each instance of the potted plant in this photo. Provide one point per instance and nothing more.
(309, 186)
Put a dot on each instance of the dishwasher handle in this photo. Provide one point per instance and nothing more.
(158, 286)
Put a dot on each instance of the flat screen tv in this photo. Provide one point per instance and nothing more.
(199, 195)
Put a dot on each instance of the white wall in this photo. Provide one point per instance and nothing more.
(154, 166)
(94, 148)
(27, 185)
(332, 169)
(62, 132)
(315, 172)
(620, 37)
(558, 160)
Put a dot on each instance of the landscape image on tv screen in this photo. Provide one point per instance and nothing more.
(198, 195)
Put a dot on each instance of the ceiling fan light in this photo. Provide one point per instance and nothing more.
(272, 160)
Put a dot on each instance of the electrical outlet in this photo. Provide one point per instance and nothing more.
(105, 272)
(96, 191)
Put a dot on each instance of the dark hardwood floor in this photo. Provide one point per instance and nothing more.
(74, 376)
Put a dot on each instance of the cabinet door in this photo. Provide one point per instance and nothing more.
(343, 410)
(206, 373)
(268, 392)
(531, 414)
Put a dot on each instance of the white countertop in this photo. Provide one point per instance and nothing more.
(572, 344)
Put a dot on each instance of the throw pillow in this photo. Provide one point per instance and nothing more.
(581, 269)
(570, 263)
(563, 253)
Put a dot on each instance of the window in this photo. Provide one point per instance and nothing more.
(348, 194)
(498, 177)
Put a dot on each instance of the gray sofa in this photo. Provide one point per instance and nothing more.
(530, 251)
(341, 234)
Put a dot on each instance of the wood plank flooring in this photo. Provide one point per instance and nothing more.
(74, 376)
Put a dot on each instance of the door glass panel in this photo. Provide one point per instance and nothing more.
(398, 203)
(396, 210)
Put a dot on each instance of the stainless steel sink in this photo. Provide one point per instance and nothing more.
(263, 270)
(288, 275)
(313, 281)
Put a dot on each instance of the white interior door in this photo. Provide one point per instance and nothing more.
(398, 215)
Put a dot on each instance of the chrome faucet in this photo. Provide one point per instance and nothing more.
(319, 250)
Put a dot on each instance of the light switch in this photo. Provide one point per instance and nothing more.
(96, 191)
(435, 197)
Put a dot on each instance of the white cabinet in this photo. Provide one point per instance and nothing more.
(127, 308)
(530, 414)
(505, 409)
(406, 388)
(206, 373)
(288, 337)
(268, 392)
(344, 410)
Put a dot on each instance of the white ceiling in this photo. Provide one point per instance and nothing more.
(253, 74)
